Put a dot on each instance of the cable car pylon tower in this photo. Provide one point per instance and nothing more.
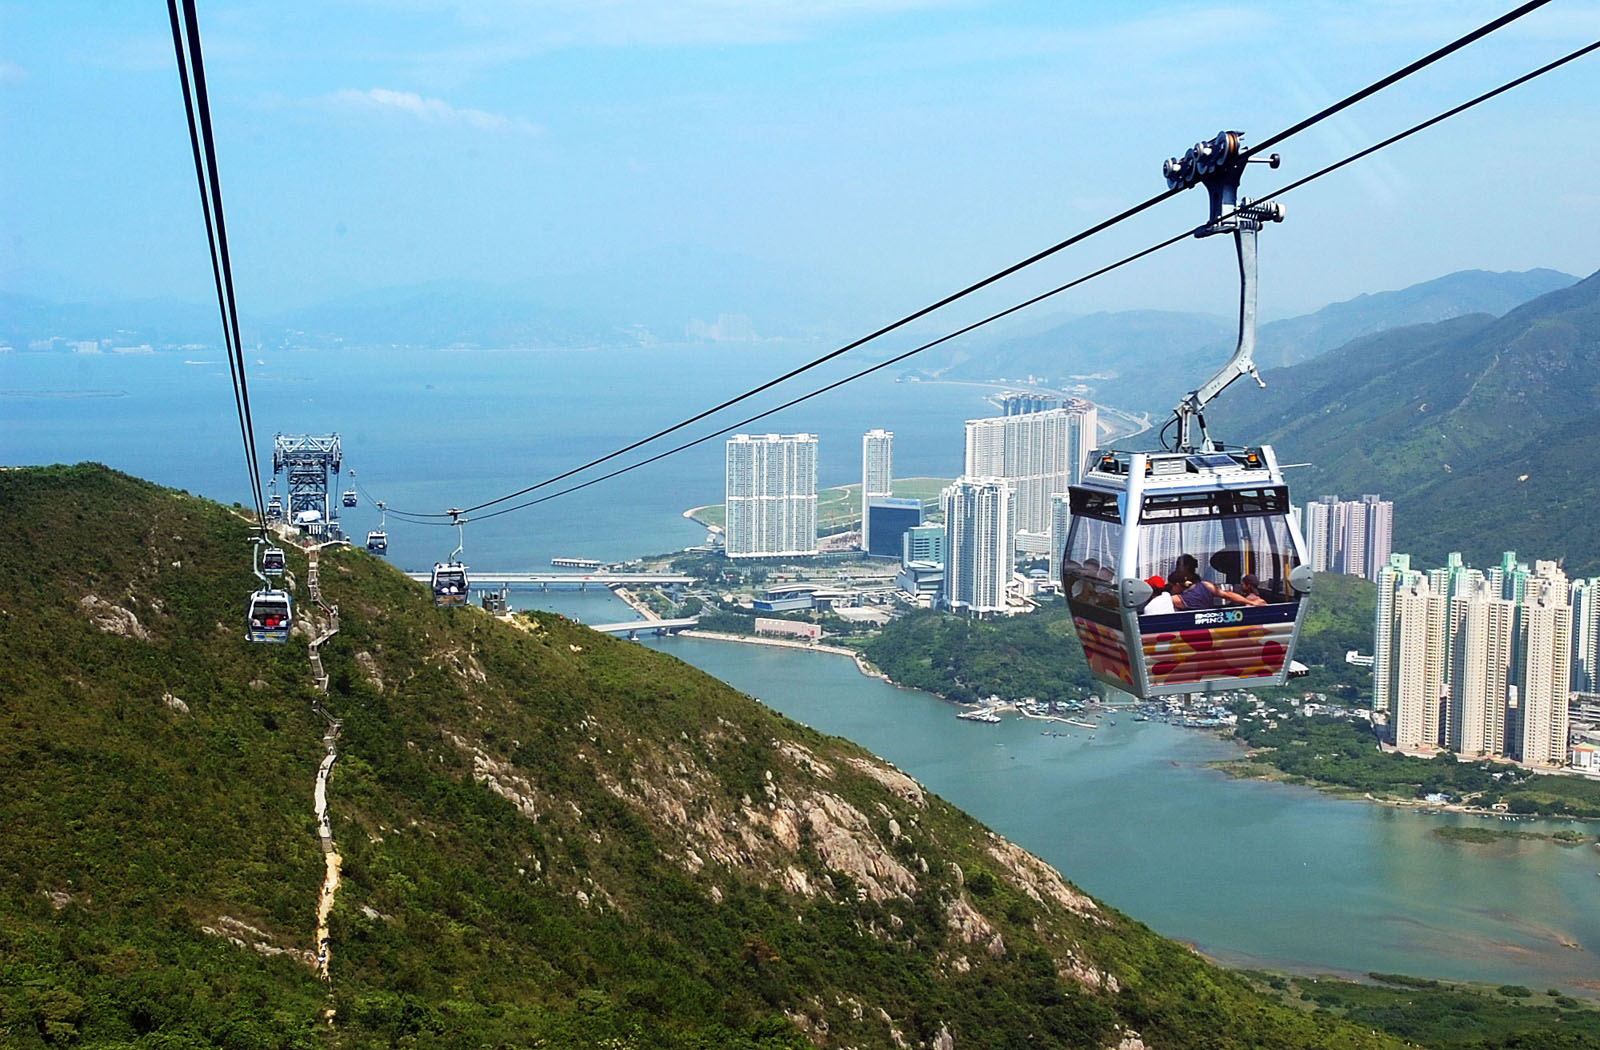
(308, 459)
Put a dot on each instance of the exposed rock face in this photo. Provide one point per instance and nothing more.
(174, 703)
(845, 842)
(369, 667)
(242, 935)
(1039, 880)
(500, 777)
(970, 925)
(893, 779)
(113, 619)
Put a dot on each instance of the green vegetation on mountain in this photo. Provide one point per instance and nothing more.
(967, 660)
(1449, 1016)
(550, 837)
(1342, 753)
(1482, 431)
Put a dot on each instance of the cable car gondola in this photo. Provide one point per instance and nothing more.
(270, 616)
(378, 539)
(272, 561)
(350, 493)
(450, 577)
(1208, 526)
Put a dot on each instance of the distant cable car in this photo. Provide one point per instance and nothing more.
(450, 577)
(275, 508)
(350, 493)
(272, 561)
(270, 616)
(1183, 568)
(378, 539)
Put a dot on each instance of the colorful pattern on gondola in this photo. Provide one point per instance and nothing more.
(1104, 650)
(1185, 657)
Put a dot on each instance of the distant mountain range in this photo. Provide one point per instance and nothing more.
(672, 295)
(666, 295)
(1483, 430)
(1148, 359)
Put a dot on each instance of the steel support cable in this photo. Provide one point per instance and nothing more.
(224, 298)
(1287, 188)
(1399, 74)
(1185, 235)
(1321, 115)
(192, 25)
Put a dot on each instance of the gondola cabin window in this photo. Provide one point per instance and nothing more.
(1239, 540)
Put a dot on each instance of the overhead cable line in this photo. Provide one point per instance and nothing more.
(197, 108)
(1399, 74)
(1185, 235)
(1130, 212)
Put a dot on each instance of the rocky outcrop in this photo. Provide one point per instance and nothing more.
(113, 619)
(897, 782)
(970, 926)
(369, 667)
(1039, 880)
(844, 841)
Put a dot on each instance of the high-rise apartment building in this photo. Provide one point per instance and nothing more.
(1497, 647)
(771, 495)
(1038, 454)
(1060, 524)
(1482, 650)
(1584, 597)
(1543, 679)
(1352, 538)
(1416, 667)
(979, 541)
(1014, 403)
(877, 472)
(1397, 573)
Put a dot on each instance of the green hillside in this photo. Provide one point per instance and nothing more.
(550, 838)
(1482, 431)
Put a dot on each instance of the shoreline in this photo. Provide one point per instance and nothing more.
(862, 665)
(1247, 768)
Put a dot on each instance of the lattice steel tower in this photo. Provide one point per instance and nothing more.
(308, 458)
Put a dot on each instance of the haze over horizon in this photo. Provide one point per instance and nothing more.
(827, 164)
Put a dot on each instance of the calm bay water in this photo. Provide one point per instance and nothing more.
(1255, 874)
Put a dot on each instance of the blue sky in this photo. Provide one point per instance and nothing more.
(890, 150)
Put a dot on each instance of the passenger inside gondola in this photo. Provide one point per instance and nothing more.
(1160, 603)
(1200, 593)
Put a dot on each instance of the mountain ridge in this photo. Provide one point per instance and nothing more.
(1481, 429)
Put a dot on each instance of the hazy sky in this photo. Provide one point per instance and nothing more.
(892, 149)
